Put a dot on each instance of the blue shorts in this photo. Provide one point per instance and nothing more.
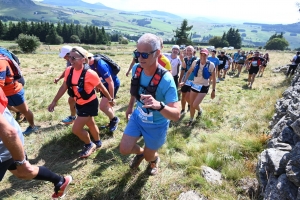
(16, 99)
(154, 135)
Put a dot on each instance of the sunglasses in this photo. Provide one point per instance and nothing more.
(144, 55)
(74, 58)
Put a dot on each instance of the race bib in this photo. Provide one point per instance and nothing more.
(254, 63)
(241, 58)
(196, 87)
(146, 118)
(221, 62)
(188, 83)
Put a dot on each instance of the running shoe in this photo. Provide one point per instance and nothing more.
(136, 161)
(87, 150)
(182, 112)
(152, 168)
(61, 191)
(189, 123)
(30, 130)
(113, 124)
(69, 120)
(218, 80)
(19, 117)
(199, 113)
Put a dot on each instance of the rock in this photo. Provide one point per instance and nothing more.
(280, 188)
(273, 143)
(190, 195)
(293, 170)
(277, 129)
(274, 157)
(262, 169)
(286, 136)
(211, 175)
(294, 111)
(296, 127)
(249, 186)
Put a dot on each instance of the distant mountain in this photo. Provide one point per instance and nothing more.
(17, 3)
(160, 13)
(76, 3)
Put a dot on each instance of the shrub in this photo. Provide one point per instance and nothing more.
(74, 39)
(54, 39)
(28, 43)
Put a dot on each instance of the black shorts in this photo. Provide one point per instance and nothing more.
(8, 165)
(88, 109)
(176, 80)
(115, 92)
(253, 70)
(185, 89)
(204, 89)
(220, 67)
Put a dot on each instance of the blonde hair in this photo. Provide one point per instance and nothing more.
(82, 52)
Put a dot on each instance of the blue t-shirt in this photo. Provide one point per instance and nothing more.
(188, 66)
(236, 56)
(104, 71)
(214, 60)
(166, 92)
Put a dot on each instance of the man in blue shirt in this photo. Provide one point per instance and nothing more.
(112, 84)
(154, 111)
(236, 57)
(213, 58)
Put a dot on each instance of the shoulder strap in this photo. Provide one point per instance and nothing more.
(69, 78)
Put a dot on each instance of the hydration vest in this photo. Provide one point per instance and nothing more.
(80, 85)
(205, 73)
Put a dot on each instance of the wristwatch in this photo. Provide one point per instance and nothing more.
(162, 106)
(112, 99)
(19, 163)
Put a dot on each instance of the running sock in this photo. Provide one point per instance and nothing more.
(98, 143)
(88, 145)
(191, 119)
(45, 174)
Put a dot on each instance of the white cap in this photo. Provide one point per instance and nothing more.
(175, 47)
(64, 50)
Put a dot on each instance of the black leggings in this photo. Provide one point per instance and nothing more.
(291, 70)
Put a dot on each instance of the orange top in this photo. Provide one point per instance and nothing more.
(91, 80)
(7, 83)
(3, 101)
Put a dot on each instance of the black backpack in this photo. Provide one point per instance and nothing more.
(152, 86)
(80, 84)
(114, 66)
(297, 61)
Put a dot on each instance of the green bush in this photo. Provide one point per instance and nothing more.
(74, 39)
(56, 39)
(28, 43)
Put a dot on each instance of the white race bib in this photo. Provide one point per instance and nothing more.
(188, 83)
(196, 87)
(146, 118)
(221, 62)
(254, 63)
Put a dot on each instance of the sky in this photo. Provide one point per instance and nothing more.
(258, 11)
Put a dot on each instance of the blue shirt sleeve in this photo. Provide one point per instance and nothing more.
(103, 69)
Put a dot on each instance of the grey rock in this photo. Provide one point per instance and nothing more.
(211, 176)
(293, 170)
(280, 188)
(262, 170)
(274, 157)
(273, 143)
(190, 195)
(286, 136)
(277, 129)
(249, 186)
(296, 150)
(296, 126)
(294, 111)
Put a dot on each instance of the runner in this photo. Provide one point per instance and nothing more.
(235, 58)
(253, 67)
(15, 93)
(263, 67)
(134, 61)
(150, 118)
(185, 89)
(80, 82)
(241, 62)
(214, 59)
(112, 84)
(175, 61)
(204, 72)
(295, 62)
(64, 53)
(222, 62)
(163, 60)
(14, 158)
(227, 66)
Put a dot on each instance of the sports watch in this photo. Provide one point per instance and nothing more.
(162, 106)
(19, 163)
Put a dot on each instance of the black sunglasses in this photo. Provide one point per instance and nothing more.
(144, 55)
(74, 58)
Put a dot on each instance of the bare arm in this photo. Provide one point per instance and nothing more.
(130, 107)
(188, 73)
(111, 86)
(61, 76)
(63, 88)
(104, 91)
(130, 67)
(11, 140)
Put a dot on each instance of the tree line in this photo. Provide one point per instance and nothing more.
(51, 33)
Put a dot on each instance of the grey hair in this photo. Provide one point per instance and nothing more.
(149, 38)
(191, 47)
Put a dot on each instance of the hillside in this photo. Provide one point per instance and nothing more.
(137, 23)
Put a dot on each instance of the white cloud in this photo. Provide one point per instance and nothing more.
(265, 11)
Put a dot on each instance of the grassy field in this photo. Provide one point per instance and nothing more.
(228, 137)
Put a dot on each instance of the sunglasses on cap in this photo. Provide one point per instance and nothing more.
(143, 54)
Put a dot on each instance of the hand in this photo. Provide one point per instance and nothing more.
(128, 113)
(26, 170)
(97, 90)
(56, 80)
(213, 94)
(181, 84)
(181, 56)
(150, 102)
(112, 103)
(127, 73)
(51, 106)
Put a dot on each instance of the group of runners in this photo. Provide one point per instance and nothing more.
(156, 80)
